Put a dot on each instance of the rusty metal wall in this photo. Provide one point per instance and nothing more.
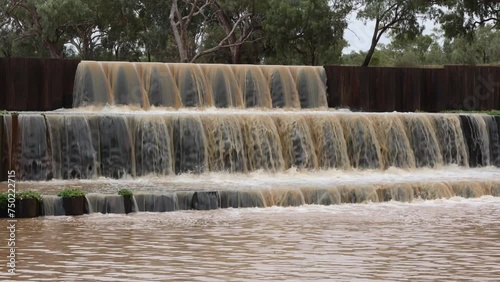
(28, 84)
(411, 89)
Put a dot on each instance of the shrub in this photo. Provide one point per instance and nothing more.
(70, 193)
(3, 201)
(125, 193)
(29, 195)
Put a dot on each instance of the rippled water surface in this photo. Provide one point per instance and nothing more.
(424, 240)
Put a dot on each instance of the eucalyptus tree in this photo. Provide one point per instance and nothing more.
(462, 17)
(306, 32)
(397, 17)
(191, 20)
(155, 32)
(248, 31)
(7, 29)
(44, 22)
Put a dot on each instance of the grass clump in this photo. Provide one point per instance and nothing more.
(125, 193)
(70, 193)
(3, 201)
(4, 198)
(489, 112)
(29, 195)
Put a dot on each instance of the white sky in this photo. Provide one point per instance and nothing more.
(359, 35)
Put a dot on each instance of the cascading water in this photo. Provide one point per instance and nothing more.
(114, 145)
(193, 85)
(155, 121)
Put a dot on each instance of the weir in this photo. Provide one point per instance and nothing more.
(162, 121)
(73, 145)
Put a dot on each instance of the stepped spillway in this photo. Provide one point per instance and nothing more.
(88, 145)
(141, 125)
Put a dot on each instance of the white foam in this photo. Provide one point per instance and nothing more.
(298, 178)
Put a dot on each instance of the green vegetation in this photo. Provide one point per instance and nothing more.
(19, 196)
(3, 201)
(70, 193)
(29, 195)
(251, 32)
(435, 50)
(3, 112)
(125, 193)
(305, 32)
(396, 17)
(490, 112)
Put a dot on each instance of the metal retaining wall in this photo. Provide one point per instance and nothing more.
(28, 84)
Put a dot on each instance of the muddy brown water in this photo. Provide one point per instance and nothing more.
(454, 239)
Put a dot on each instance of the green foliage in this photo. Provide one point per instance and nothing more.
(3, 112)
(308, 32)
(483, 50)
(379, 58)
(19, 196)
(70, 193)
(29, 195)
(426, 50)
(460, 18)
(154, 31)
(125, 193)
(490, 112)
(302, 32)
(399, 18)
(3, 201)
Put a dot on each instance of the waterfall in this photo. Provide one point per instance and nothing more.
(86, 146)
(159, 120)
(198, 85)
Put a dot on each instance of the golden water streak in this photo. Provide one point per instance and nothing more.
(198, 85)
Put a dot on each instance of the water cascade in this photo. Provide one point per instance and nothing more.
(88, 146)
(136, 120)
(193, 85)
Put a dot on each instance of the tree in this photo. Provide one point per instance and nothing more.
(7, 28)
(306, 32)
(427, 50)
(121, 29)
(405, 51)
(44, 21)
(482, 50)
(399, 17)
(380, 58)
(155, 32)
(185, 13)
(228, 12)
(86, 28)
(462, 17)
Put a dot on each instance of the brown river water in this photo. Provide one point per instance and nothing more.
(454, 239)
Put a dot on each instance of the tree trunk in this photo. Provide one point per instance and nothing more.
(117, 51)
(225, 23)
(183, 56)
(369, 55)
(54, 53)
(236, 54)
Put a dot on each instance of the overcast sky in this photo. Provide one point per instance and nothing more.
(359, 35)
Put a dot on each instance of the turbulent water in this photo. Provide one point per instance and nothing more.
(436, 240)
(195, 85)
(78, 144)
(143, 119)
(188, 138)
(260, 189)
